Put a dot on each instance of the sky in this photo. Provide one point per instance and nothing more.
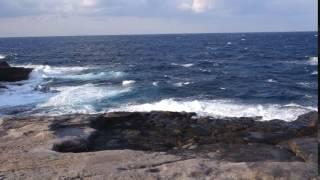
(113, 17)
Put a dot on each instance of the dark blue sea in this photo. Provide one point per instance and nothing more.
(273, 75)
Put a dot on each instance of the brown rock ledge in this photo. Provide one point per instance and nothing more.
(157, 145)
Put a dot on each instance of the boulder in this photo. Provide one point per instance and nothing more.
(13, 74)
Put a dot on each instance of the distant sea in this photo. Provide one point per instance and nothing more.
(273, 75)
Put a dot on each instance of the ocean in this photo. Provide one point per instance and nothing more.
(272, 75)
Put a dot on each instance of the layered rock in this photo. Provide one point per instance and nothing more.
(157, 145)
(12, 74)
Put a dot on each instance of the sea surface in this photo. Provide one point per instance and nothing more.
(272, 75)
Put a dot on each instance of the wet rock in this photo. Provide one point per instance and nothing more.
(4, 64)
(305, 148)
(2, 87)
(74, 145)
(12, 74)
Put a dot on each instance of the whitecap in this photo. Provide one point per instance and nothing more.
(155, 83)
(79, 99)
(314, 73)
(313, 61)
(229, 43)
(183, 65)
(243, 39)
(271, 81)
(304, 84)
(180, 84)
(205, 70)
(2, 56)
(223, 108)
(91, 76)
(128, 82)
(51, 70)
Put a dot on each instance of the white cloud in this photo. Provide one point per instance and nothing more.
(88, 3)
(196, 6)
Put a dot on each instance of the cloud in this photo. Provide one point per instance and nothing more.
(196, 6)
(185, 16)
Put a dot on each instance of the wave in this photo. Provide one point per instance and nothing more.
(128, 82)
(271, 81)
(22, 93)
(180, 84)
(313, 61)
(2, 56)
(36, 90)
(183, 65)
(92, 76)
(223, 108)
(73, 73)
(45, 71)
(79, 99)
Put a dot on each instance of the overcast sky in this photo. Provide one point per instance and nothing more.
(103, 17)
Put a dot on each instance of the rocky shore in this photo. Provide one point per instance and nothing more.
(157, 145)
(13, 74)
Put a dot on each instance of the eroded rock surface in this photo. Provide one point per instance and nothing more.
(157, 145)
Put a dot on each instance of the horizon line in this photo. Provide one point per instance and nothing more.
(154, 34)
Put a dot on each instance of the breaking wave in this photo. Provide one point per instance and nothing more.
(223, 108)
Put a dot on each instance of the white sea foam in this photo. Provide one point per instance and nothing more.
(180, 84)
(23, 92)
(50, 70)
(223, 108)
(17, 95)
(27, 92)
(79, 99)
(205, 70)
(128, 82)
(76, 73)
(271, 81)
(183, 65)
(313, 61)
(2, 56)
(155, 83)
(91, 76)
(314, 73)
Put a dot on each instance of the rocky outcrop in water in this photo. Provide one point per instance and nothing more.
(13, 74)
(157, 145)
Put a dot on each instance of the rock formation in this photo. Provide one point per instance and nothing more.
(157, 145)
(12, 74)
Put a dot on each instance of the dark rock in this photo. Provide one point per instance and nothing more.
(2, 87)
(4, 64)
(74, 145)
(126, 145)
(305, 148)
(309, 120)
(12, 74)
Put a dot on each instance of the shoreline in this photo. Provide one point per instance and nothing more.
(157, 145)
